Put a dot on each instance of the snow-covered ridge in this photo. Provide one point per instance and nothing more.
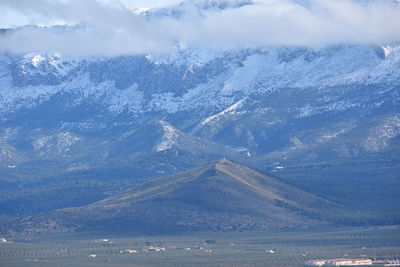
(231, 110)
(191, 79)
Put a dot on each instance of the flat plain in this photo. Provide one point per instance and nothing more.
(279, 248)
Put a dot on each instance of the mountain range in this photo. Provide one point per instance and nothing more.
(76, 131)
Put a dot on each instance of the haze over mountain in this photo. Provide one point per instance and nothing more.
(81, 122)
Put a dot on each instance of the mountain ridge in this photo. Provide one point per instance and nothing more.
(219, 196)
(248, 105)
(325, 119)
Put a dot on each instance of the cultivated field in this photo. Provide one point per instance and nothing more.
(284, 248)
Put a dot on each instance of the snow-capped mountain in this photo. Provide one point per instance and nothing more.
(191, 80)
(199, 91)
(314, 116)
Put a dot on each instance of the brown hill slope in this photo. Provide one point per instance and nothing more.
(222, 195)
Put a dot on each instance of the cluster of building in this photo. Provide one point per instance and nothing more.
(353, 262)
(386, 262)
(153, 249)
(158, 249)
(146, 249)
(339, 262)
(130, 251)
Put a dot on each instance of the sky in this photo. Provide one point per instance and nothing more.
(111, 28)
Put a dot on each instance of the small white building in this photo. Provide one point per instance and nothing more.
(315, 263)
(348, 262)
(339, 262)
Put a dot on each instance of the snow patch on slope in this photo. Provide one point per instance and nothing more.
(130, 100)
(168, 138)
(62, 142)
(232, 110)
(381, 135)
(36, 60)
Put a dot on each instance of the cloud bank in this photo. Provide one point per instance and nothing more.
(110, 28)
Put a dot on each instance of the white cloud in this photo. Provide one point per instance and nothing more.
(147, 3)
(109, 28)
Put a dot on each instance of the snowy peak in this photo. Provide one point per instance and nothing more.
(41, 69)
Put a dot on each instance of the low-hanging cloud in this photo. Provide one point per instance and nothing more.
(112, 29)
